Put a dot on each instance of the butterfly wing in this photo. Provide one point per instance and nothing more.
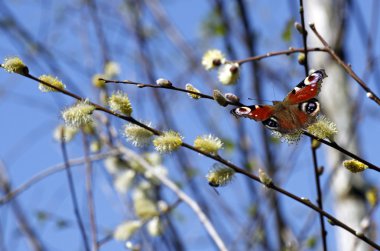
(307, 89)
(255, 112)
(298, 109)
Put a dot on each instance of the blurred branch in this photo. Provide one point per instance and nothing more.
(23, 37)
(49, 171)
(366, 224)
(72, 193)
(145, 55)
(249, 43)
(183, 196)
(25, 227)
(90, 192)
(256, 222)
(98, 29)
(170, 208)
(174, 35)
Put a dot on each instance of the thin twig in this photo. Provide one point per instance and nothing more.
(346, 67)
(155, 86)
(72, 193)
(142, 85)
(89, 192)
(333, 220)
(317, 174)
(277, 53)
(304, 38)
(341, 149)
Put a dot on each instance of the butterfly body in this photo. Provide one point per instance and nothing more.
(296, 111)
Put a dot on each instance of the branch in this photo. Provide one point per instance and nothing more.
(277, 53)
(346, 67)
(46, 173)
(142, 85)
(317, 174)
(183, 196)
(255, 58)
(155, 86)
(72, 193)
(24, 226)
(234, 167)
(304, 38)
(89, 192)
(341, 149)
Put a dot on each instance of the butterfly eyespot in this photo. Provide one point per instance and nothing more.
(242, 110)
(271, 123)
(310, 107)
(311, 78)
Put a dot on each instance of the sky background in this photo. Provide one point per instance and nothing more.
(71, 51)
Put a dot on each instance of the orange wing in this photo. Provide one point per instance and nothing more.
(255, 112)
(307, 89)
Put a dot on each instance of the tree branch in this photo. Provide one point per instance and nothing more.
(346, 67)
(305, 202)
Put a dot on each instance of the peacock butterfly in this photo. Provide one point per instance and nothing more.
(298, 110)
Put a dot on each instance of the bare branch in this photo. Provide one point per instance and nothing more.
(346, 67)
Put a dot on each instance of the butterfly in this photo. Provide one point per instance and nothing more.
(298, 109)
